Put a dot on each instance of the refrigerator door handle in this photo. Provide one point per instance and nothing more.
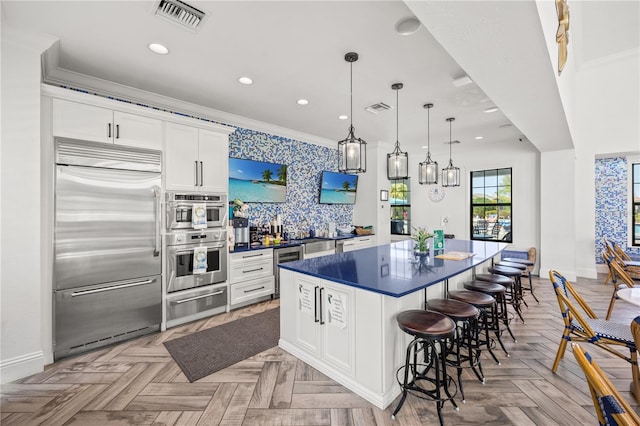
(115, 287)
(156, 196)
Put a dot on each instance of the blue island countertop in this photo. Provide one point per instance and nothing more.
(393, 269)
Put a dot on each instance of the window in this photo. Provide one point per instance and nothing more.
(400, 200)
(635, 205)
(491, 205)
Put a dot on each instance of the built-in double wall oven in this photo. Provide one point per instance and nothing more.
(196, 256)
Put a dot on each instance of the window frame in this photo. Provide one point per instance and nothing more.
(406, 207)
(497, 205)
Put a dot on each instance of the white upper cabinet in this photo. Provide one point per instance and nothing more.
(87, 122)
(196, 159)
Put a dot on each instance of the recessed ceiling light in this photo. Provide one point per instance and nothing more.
(492, 109)
(343, 117)
(303, 102)
(479, 137)
(245, 80)
(424, 146)
(408, 26)
(462, 81)
(158, 48)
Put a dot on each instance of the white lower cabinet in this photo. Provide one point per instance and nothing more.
(250, 276)
(324, 321)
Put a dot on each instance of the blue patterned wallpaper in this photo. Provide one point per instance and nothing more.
(305, 163)
(611, 204)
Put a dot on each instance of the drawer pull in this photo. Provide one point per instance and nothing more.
(254, 289)
(215, 293)
(253, 270)
(115, 287)
(253, 255)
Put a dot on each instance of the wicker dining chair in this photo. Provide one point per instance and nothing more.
(608, 335)
(631, 266)
(619, 277)
(611, 407)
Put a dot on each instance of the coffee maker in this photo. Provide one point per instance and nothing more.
(241, 232)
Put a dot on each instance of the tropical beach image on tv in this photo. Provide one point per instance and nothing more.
(256, 181)
(338, 188)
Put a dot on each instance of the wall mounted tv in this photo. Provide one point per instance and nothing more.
(254, 181)
(338, 188)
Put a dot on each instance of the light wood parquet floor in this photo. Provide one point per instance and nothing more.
(138, 383)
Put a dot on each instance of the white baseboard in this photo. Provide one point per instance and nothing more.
(591, 273)
(22, 366)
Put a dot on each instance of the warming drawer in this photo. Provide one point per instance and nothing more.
(189, 305)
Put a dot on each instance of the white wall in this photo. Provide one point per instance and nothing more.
(557, 213)
(522, 157)
(21, 265)
(608, 117)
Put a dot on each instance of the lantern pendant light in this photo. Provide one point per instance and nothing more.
(397, 161)
(428, 170)
(450, 174)
(352, 151)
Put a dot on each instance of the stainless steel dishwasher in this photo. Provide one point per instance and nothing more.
(284, 255)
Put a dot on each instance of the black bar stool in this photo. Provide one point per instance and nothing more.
(431, 331)
(523, 270)
(500, 313)
(465, 316)
(516, 294)
(486, 306)
(529, 264)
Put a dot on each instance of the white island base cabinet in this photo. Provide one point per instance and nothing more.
(352, 338)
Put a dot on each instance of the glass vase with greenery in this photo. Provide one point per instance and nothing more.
(421, 238)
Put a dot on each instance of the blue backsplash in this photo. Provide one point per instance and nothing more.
(305, 163)
(612, 204)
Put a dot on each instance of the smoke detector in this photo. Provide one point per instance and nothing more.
(180, 13)
(376, 108)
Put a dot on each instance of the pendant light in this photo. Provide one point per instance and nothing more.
(428, 170)
(352, 151)
(450, 174)
(397, 161)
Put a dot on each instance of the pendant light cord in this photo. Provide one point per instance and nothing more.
(450, 143)
(397, 120)
(351, 94)
(428, 132)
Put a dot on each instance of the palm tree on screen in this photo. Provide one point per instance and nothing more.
(266, 175)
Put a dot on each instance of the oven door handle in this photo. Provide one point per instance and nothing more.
(190, 299)
(190, 251)
(115, 287)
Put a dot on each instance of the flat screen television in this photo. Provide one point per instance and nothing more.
(254, 181)
(338, 188)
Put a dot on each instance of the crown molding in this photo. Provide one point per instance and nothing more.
(56, 76)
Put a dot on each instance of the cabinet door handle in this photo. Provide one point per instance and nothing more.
(321, 316)
(117, 131)
(201, 174)
(108, 130)
(315, 304)
(196, 169)
(252, 270)
(254, 289)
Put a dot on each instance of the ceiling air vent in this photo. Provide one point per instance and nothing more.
(180, 13)
(452, 142)
(376, 108)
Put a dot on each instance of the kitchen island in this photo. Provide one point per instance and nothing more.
(337, 313)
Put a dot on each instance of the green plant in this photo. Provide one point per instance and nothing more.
(420, 237)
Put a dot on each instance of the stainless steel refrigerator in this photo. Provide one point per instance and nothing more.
(107, 270)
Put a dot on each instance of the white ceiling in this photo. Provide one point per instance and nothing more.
(292, 50)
